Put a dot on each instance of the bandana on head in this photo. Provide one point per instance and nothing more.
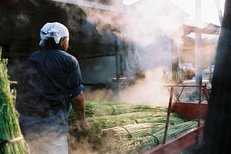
(53, 30)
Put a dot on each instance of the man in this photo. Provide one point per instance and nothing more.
(52, 83)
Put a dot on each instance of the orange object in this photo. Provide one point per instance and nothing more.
(190, 111)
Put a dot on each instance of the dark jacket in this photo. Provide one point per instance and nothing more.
(52, 79)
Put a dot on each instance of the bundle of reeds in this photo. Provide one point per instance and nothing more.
(153, 139)
(103, 108)
(117, 127)
(131, 138)
(11, 139)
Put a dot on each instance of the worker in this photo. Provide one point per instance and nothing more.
(52, 85)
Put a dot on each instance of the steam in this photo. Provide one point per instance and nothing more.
(128, 2)
(152, 26)
(147, 91)
(100, 94)
(82, 146)
(148, 18)
(140, 23)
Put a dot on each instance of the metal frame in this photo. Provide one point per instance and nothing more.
(187, 139)
(200, 86)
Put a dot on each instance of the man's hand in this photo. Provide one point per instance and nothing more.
(84, 125)
(78, 104)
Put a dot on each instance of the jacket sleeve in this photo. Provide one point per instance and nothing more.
(74, 79)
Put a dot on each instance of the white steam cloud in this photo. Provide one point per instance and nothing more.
(141, 21)
(147, 91)
(148, 17)
(153, 26)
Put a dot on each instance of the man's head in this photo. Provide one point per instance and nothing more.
(56, 32)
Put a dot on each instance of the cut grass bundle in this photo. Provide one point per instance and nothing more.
(130, 118)
(104, 108)
(122, 128)
(173, 132)
(11, 139)
(124, 144)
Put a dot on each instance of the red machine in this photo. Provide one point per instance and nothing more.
(189, 111)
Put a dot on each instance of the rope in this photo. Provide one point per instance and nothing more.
(113, 110)
(136, 121)
(11, 141)
(129, 134)
(156, 140)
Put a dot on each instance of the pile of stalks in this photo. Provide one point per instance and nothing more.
(122, 128)
(11, 139)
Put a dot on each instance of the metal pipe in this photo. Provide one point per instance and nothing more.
(179, 73)
(198, 73)
(168, 115)
(200, 86)
(199, 108)
(182, 85)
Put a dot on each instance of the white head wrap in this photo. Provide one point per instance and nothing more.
(53, 30)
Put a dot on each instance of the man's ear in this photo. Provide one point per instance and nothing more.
(64, 43)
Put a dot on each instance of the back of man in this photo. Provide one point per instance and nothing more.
(52, 83)
(51, 77)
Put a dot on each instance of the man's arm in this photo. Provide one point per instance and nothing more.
(78, 104)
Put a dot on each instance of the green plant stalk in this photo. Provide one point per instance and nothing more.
(9, 125)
